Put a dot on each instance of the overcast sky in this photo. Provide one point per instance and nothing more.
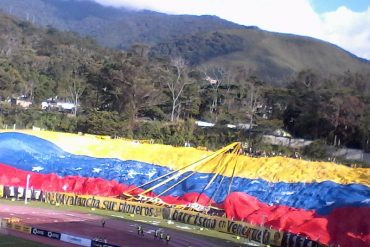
(343, 22)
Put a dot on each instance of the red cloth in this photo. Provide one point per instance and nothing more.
(344, 226)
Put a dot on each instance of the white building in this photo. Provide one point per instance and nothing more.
(61, 106)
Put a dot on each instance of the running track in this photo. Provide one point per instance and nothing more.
(116, 231)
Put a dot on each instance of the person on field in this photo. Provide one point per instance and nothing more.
(156, 234)
(168, 238)
(161, 236)
(103, 223)
(139, 228)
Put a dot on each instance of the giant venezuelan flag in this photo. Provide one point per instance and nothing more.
(323, 201)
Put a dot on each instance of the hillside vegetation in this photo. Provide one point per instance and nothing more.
(273, 57)
(202, 40)
(132, 94)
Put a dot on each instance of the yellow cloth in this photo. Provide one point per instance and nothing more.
(274, 169)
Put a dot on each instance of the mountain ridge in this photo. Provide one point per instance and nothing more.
(202, 40)
(270, 56)
(108, 25)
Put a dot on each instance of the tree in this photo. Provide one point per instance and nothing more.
(127, 85)
(308, 78)
(345, 113)
(250, 95)
(76, 90)
(252, 100)
(100, 123)
(177, 85)
(215, 77)
(191, 101)
(364, 127)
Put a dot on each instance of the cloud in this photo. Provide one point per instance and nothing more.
(343, 27)
(348, 29)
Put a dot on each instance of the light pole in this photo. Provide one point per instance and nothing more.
(27, 185)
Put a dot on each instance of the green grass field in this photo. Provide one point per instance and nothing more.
(11, 241)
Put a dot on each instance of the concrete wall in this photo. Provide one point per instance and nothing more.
(284, 141)
(345, 153)
(352, 154)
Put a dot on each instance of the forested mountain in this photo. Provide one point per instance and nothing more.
(273, 57)
(201, 40)
(112, 27)
(120, 93)
(40, 62)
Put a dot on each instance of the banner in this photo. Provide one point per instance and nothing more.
(292, 240)
(45, 233)
(21, 228)
(216, 223)
(15, 226)
(221, 224)
(112, 204)
(75, 240)
(95, 243)
(19, 193)
(10, 192)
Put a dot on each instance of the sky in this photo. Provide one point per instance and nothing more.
(345, 23)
